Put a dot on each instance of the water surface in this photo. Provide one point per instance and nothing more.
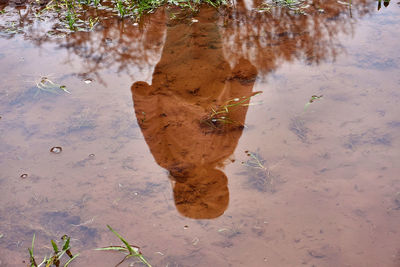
(286, 183)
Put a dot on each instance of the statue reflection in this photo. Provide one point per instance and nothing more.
(191, 77)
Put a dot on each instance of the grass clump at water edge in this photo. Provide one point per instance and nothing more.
(74, 13)
(55, 259)
(129, 250)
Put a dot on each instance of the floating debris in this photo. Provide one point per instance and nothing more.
(47, 85)
(312, 99)
(220, 115)
(56, 150)
(195, 241)
(24, 175)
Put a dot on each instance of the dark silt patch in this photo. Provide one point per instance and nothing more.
(61, 223)
(297, 126)
(394, 124)
(369, 137)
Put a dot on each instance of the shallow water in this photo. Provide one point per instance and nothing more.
(287, 183)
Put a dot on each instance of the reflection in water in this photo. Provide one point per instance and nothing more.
(191, 77)
(203, 65)
(268, 40)
(385, 3)
(265, 39)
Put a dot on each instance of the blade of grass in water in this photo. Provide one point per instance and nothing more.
(54, 246)
(31, 258)
(114, 248)
(71, 259)
(132, 251)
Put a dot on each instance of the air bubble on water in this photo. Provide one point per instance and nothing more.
(56, 150)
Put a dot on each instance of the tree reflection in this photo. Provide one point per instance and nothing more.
(280, 35)
(265, 39)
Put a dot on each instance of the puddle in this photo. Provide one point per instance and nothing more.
(256, 135)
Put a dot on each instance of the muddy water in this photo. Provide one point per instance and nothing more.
(290, 181)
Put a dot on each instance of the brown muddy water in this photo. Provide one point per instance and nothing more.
(292, 180)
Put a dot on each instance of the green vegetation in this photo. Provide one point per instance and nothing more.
(312, 99)
(129, 250)
(297, 6)
(75, 15)
(55, 259)
(220, 116)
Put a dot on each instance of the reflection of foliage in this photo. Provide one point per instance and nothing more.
(298, 6)
(268, 38)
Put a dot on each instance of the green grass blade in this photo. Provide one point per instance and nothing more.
(131, 251)
(66, 244)
(44, 261)
(144, 260)
(33, 241)
(114, 248)
(54, 246)
(71, 259)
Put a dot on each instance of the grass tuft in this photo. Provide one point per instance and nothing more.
(220, 116)
(55, 259)
(131, 251)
